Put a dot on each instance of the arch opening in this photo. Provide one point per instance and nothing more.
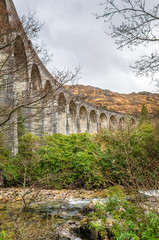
(83, 119)
(102, 121)
(62, 113)
(122, 123)
(93, 122)
(72, 117)
(21, 68)
(38, 107)
(35, 78)
(48, 86)
(113, 122)
(132, 122)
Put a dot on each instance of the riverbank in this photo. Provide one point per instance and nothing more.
(56, 214)
(17, 194)
(52, 213)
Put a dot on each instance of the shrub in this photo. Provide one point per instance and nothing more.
(4, 236)
(72, 160)
(129, 221)
(133, 154)
(81, 160)
(19, 169)
(4, 152)
(57, 161)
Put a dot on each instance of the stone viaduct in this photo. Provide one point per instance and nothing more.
(59, 111)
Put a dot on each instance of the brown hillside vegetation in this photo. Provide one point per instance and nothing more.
(125, 103)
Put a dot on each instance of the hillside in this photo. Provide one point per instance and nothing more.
(125, 103)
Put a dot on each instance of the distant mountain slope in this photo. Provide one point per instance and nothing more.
(125, 103)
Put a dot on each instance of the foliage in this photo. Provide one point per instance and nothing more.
(144, 113)
(4, 236)
(128, 222)
(129, 157)
(133, 155)
(4, 152)
(19, 169)
(72, 160)
(57, 161)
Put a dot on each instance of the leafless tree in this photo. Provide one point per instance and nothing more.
(135, 23)
(17, 56)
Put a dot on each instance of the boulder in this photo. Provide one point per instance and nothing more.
(90, 207)
(66, 231)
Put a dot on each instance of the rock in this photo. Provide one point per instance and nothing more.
(92, 233)
(86, 231)
(66, 231)
(90, 207)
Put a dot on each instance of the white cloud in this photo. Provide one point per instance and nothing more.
(75, 37)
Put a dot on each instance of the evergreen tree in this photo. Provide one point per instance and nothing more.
(144, 113)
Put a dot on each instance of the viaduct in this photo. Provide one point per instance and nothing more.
(45, 103)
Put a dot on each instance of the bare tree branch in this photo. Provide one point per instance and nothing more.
(134, 23)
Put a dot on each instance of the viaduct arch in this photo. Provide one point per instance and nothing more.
(58, 111)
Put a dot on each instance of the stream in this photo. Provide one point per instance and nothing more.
(49, 215)
(52, 213)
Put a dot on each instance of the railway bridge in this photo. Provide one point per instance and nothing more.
(47, 106)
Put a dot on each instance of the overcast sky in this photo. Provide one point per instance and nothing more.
(72, 33)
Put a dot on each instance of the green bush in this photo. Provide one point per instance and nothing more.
(128, 221)
(81, 160)
(71, 161)
(57, 161)
(4, 236)
(133, 154)
(4, 152)
(19, 169)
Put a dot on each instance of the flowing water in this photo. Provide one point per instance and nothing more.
(150, 193)
(47, 214)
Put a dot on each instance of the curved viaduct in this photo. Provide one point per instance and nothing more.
(60, 111)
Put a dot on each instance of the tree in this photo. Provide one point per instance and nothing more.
(17, 57)
(144, 113)
(135, 23)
